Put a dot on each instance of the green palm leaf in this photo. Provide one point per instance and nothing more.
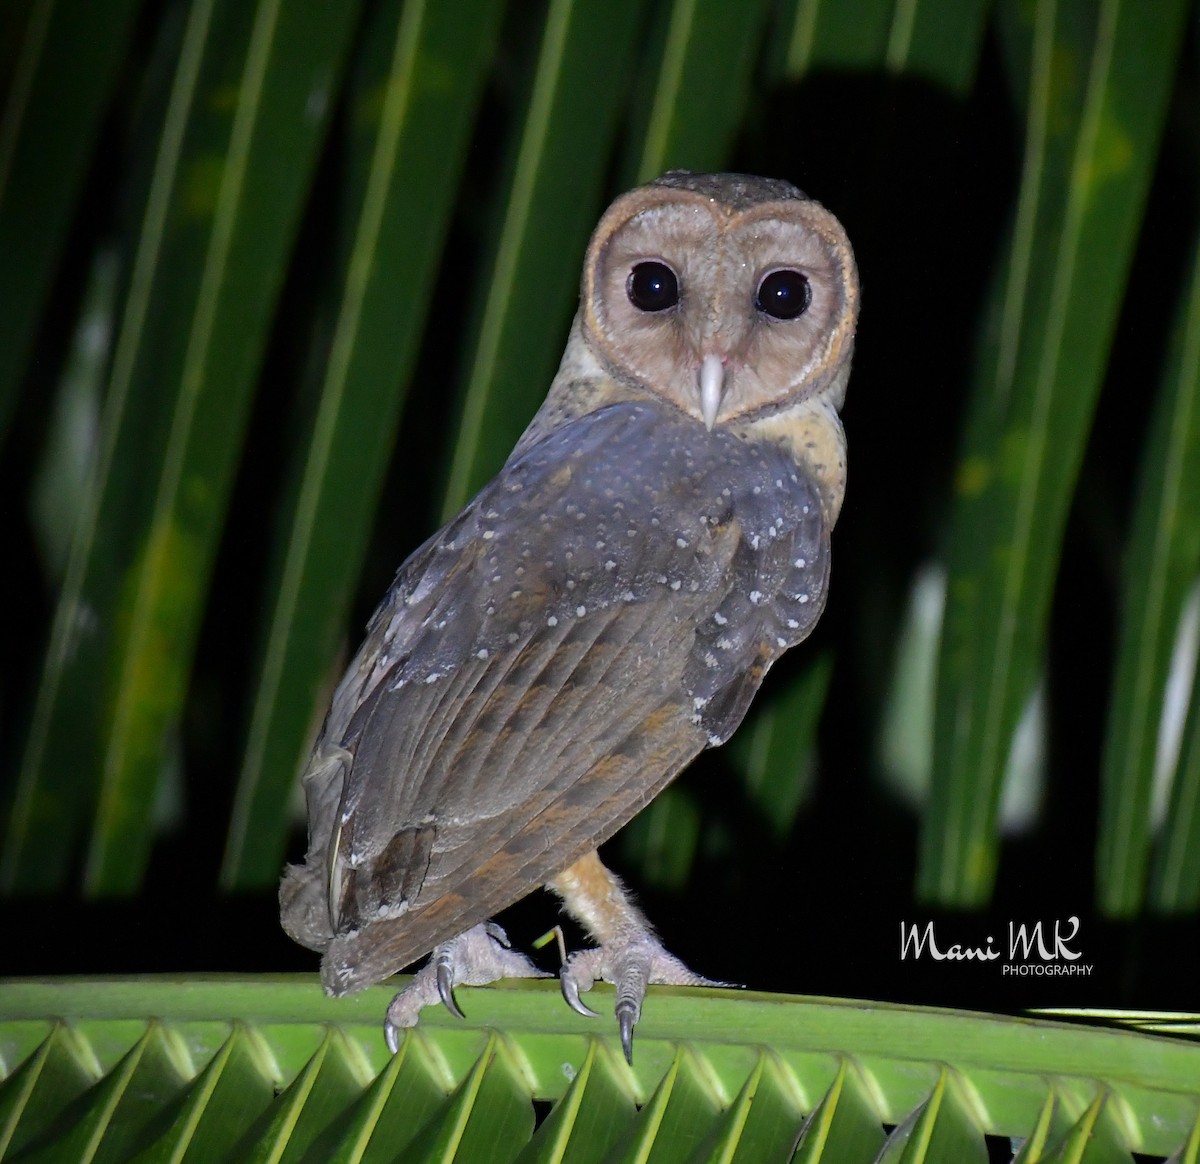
(551, 203)
(1164, 555)
(412, 143)
(220, 216)
(717, 1075)
(46, 144)
(1085, 182)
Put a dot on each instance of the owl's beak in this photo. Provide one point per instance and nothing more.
(712, 388)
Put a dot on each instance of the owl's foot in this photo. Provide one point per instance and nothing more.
(627, 954)
(630, 963)
(476, 957)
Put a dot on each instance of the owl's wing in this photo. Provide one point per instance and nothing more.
(542, 667)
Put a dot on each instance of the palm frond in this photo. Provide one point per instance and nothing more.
(265, 1068)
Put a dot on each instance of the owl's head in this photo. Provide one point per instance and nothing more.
(726, 294)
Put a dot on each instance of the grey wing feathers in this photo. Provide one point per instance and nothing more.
(603, 610)
(778, 581)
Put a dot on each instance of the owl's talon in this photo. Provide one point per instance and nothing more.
(570, 991)
(477, 957)
(627, 1017)
(630, 963)
(445, 985)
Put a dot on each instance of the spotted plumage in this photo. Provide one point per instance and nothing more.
(601, 612)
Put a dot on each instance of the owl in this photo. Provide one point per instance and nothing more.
(603, 610)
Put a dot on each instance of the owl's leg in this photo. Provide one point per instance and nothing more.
(629, 954)
(475, 957)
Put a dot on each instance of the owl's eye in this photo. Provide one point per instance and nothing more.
(783, 295)
(652, 286)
